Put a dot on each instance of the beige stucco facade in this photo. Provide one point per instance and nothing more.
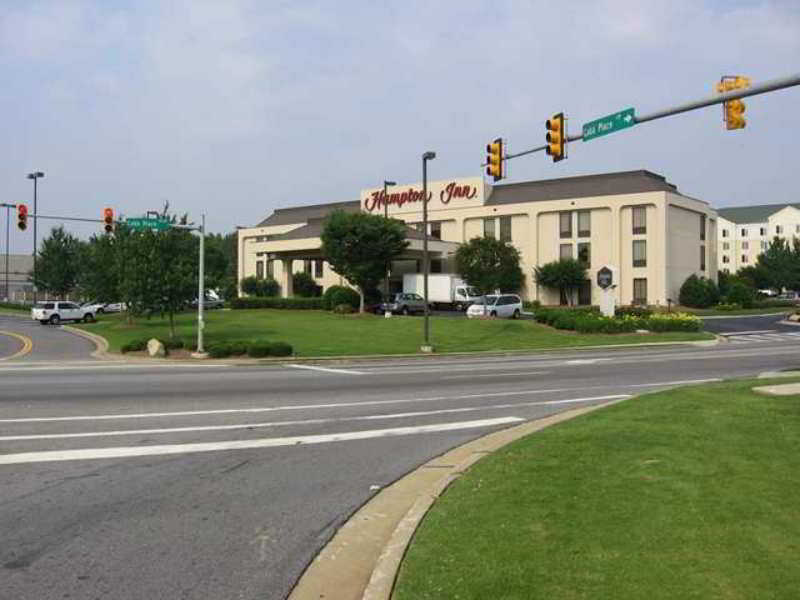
(741, 242)
(676, 238)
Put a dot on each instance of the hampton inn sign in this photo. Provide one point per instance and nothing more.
(443, 191)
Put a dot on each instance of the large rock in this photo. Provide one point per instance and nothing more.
(156, 348)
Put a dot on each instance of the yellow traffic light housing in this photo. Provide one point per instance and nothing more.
(556, 137)
(22, 217)
(733, 110)
(494, 159)
(108, 219)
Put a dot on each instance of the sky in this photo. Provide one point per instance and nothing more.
(234, 108)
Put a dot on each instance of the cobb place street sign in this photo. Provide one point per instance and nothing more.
(605, 278)
(609, 124)
(145, 223)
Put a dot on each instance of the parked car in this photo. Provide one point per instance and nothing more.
(767, 293)
(115, 307)
(209, 302)
(503, 305)
(403, 304)
(55, 312)
(789, 296)
(96, 308)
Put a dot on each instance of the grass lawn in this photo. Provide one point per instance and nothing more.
(690, 493)
(317, 333)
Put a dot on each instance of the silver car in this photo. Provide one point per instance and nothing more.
(403, 304)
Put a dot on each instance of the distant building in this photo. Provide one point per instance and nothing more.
(635, 221)
(746, 231)
(19, 288)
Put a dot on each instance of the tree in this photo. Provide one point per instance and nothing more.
(59, 263)
(361, 247)
(488, 264)
(175, 271)
(565, 275)
(782, 262)
(221, 263)
(99, 277)
(698, 292)
(756, 276)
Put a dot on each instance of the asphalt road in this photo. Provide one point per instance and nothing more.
(136, 481)
(50, 343)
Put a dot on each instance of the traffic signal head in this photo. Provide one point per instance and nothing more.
(494, 159)
(108, 219)
(734, 115)
(556, 137)
(22, 217)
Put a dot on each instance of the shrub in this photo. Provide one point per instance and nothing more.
(633, 311)
(284, 303)
(135, 345)
(304, 286)
(280, 349)
(173, 344)
(742, 294)
(698, 292)
(727, 307)
(339, 294)
(268, 288)
(258, 349)
(238, 348)
(219, 350)
(343, 309)
(250, 285)
(674, 322)
(774, 303)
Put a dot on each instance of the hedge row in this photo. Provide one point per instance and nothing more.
(257, 349)
(588, 320)
(141, 344)
(291, 303)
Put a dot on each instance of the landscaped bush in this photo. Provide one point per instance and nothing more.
(280, 349)
(14, 305)
(286, 303)
(135, 345)
(173, 344)
(304, 286)
(699, 292)
(219, 350)
(774, 303)
(725, 307)
(343, 309)
(258, 349)
(741, 294)
(339, 294)
(601, 324)
(673, 322)
(238, 348)
(588, 320)
(262, 288)
(633, 311)
(548, 316)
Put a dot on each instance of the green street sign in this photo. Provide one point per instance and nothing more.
(145, 223)
(609, 124)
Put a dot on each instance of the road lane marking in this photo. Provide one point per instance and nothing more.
(230, 411)
(98, 366)
(684, 382)
(406, 415)
(327, 369)
(498, 375)
(754, 332)
(27, 344)
(585, 361)
(134, 451)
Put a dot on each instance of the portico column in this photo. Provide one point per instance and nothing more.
(286, 284)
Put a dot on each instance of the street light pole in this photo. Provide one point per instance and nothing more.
(425, 158)
(8, 220)
(36, 175)
(386, 184)
(201, 293)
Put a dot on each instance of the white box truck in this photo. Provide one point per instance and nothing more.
(444, 290)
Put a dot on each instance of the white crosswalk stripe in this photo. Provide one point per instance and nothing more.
(765, 338)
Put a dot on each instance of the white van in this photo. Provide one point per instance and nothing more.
(502, 305)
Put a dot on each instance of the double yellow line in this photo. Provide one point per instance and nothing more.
(27, 344)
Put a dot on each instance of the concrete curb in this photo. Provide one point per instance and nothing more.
(788, 322)
(362, 559)
(101, 344)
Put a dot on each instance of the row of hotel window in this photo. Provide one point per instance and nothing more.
(762, 231)
(726, 259)
(638, 223)
(745, 245)
(639, 253)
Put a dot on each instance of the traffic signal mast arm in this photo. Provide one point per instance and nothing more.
(768, 86)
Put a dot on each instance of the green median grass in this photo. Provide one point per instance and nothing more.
(318, 333)
(689, 493)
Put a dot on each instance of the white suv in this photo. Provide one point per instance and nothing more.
(55, 312)
(504, 305)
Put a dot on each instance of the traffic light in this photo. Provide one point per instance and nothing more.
(22, 217)
(733, 110)
(494, 159)
(556, 137)
(108, 218)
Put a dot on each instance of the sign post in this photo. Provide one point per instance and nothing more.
(607, 281)
(609, 124)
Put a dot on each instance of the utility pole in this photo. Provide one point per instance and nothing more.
(36, 175)
(8, 208)
(386, 184)
(201, 292)
(426, 347)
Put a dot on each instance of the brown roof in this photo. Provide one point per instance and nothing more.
(304, 214)
(606, 184)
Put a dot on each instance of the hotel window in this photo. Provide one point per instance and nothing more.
(565, 224)
(585, 253)
(639, 253)
(640, 291)
(744, 232)
(565, 251)
(436, 265)
(779, 229)
(745, 245)
(702, 258)
(505, 229)
(726, 271)
(726, 245)
(724, 233)
(744, 258)
(318, 268)
(260, 269)
(762, 231)
(639, 220)
(584, 223)
(488, 227)
(271, 269)
(725, 259)
(702, 228)
(436, 230)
